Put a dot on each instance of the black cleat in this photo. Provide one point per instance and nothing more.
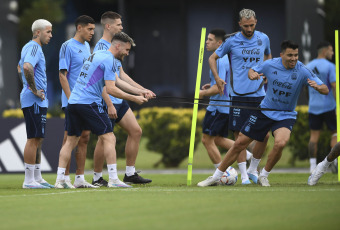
(100, 182)
(136, 179)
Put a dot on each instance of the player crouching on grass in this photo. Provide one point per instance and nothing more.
(85, 107)
(285, 76)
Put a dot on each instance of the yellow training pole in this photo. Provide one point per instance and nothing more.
(337, 92)
(194, 113)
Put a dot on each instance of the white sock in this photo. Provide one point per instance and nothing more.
(112, 169)
(79, 178)
(61, 173)
(29, 173)
(130, 170)
(216, 165)
(218, 174)
(249, 155)
(243, 169)
(67, 178)
(37, 172)
(325, 163)
(264, 173)
(97, 175)
(254, 163)
(312, 162)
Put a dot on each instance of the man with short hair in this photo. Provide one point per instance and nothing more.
(85, 107)
(246, 49)
(285, 76)
(72, 56)
(119, 110)
(322, 107)
(34, 102)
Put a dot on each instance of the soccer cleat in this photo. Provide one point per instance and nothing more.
(263, 181)
(117, 184)
(62, 184)
(34, 185)
(253, 176)
(210, 181)
(100, 182)
(84, 184)
(316, 175)
(45, 183)
(246, 182)
(69, 184)
(136, 179)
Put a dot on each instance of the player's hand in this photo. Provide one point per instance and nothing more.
(206, 86)
(220, 85)
(112, 112)
(313, 84)
(40, 93)
(149, 94)
(255, 76)
(140, 100)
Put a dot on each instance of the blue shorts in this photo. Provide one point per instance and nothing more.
(67, 120)
(239, 116)
(35, 119)
(216, 123)
(258, 125)
(121, 110)
(316, 121)
(87, 117)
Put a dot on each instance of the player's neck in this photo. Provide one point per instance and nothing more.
(321, 56)
(247, 36)
(78, 38)
(37, 40)
(107, 37)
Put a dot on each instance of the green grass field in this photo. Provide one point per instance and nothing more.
(168, 203)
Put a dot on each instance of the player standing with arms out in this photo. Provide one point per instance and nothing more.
(322, 107)
(119, 110)
(245, 49)
(85, 107)
(286, 76)
(73, 53)
(34, 103)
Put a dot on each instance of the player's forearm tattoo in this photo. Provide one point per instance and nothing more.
(29, 75)
(335, 152)
(38, 155)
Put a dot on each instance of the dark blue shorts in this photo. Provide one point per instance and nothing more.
(316, 121)
(216, 123)
(239, 116)
(35, 119)
(258, 125)
(121, 110)
(87, 117)
(67, 120)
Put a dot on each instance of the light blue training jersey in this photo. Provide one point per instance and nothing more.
(32, 53)
(245, 53)
(223, 72)
(100, 66)
(72, 56)
(105, 45)
(319, 103)
(284, 87)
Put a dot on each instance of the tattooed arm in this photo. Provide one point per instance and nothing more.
(29, 75)
(19, 73)
(64, 82)
(335, 152)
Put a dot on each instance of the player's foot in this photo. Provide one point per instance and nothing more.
(136, 179)
(210, 181)
(100, 182)
(34, 185)
(117, 184)
(253, 176)
(45, 183)
(263, 181)
(69, 184)
(316, 175)
(62, 184)
(83, 184)
(246, 182)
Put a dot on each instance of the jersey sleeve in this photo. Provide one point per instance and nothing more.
(109, 70)
(332, 74)
(224, 48)
(311, 76)
(267, 50)
(32, 55)
(65, 57)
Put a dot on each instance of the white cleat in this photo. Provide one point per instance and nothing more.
(316, 175)
(45, 183)
(69, 184)
(34, 185)
(84, 184)
(210, 181)
(263, 181)
(60, 184)
(117, 184)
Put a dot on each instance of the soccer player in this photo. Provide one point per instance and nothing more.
(285, 76)
(321, 168)
(85, 107)
(72, 56)
(119, 111)
(246, 49)
(322, 107)
(34, 102)
(215, 123)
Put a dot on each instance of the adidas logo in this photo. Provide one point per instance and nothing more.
(12, 151)
(275, 72)
(80, 51)
(241, 43)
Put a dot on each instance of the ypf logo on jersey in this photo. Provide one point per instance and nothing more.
(12, 151)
